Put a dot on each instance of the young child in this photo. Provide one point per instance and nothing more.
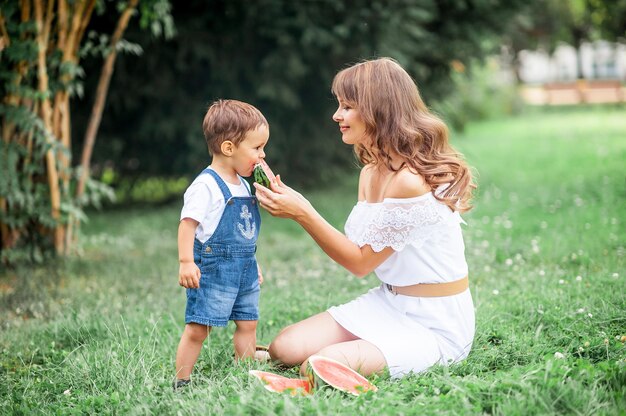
(405, 227)
(217, 234)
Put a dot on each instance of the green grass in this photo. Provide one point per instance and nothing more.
(546, 245)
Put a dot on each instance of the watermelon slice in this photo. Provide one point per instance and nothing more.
(279, 384)
(263, 174)
(323, 370)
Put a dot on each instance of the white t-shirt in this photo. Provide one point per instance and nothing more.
(204, 202)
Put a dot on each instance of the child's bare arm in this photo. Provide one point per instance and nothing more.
(260, 273)
(188, 272)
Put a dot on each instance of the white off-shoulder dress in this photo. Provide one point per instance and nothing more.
(413, 333)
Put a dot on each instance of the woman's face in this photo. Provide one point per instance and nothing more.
(351, 124)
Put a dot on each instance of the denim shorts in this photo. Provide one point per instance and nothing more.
(229, 285)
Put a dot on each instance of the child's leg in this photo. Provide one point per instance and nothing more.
(245, 339)
(359, 355)
(189, 348)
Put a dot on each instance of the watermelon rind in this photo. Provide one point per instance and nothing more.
(269, 380)
(318, 379)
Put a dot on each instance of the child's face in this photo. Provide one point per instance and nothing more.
(350, 122)
(250, 151)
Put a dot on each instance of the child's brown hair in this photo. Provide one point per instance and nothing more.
(398, 122)
(230, 120)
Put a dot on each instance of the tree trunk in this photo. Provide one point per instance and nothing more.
(101, 93)
(43, 31)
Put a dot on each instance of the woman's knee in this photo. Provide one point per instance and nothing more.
(286, 348)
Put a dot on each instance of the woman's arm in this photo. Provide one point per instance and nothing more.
(283, 201)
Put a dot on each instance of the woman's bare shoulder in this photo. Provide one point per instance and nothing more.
(366, 173)
(407, 184)
(364, 178)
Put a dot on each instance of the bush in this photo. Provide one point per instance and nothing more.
(480, 92)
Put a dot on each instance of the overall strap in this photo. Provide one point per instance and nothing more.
(220, 183)
(246, 184)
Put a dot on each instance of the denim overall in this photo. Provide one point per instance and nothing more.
(229, 282)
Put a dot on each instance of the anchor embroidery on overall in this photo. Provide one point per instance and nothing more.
(249, 229)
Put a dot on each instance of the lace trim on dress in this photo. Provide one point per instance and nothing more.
(395, 224)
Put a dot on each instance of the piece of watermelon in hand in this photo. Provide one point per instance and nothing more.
(263, 174)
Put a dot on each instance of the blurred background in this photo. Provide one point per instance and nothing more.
(103, 100)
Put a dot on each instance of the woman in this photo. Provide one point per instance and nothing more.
(405, 227)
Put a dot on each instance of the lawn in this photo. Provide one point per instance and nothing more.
(546, 244)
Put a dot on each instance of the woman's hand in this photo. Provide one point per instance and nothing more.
(282, 201)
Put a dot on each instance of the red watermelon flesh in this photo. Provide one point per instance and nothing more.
(268, 172)
(279, 384)
(339, 375)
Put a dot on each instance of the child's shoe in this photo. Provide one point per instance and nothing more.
(180, 383)
(262, 353)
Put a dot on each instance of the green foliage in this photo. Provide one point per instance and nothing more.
(280, 56)
(98, 334)
(480, 92)
(32, 153)
(547, 23)
(23, 188)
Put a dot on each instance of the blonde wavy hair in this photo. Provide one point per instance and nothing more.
(399, 123)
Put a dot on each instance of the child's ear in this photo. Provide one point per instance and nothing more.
(227, 147)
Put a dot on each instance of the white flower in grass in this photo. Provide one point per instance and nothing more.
(590, 315)
(578, 201)
(580, 310)
(559, 355)
(579, 278)
(542, 273)
(561, 281)
(615, 275)
(496, 292)
(508, 262)
(67, 392)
